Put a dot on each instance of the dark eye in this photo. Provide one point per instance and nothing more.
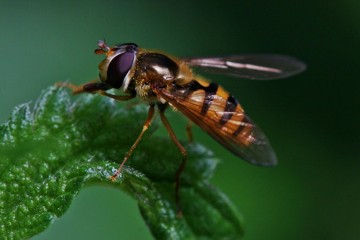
(119, 67)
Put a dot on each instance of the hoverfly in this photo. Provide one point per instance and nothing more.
(162, 80)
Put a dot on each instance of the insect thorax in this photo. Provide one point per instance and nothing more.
(156, 70)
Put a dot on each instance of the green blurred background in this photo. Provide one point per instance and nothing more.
(312, 119)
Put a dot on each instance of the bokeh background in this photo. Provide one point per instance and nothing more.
(312, 119)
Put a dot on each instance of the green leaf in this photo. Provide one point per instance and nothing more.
(49, 154)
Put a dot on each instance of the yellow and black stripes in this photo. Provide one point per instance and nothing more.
(214, 103)
(210, 92)
(245, 122)
(230, 107)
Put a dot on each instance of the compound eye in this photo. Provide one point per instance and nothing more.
(119, 68)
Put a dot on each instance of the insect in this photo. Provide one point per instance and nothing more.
(161, 80)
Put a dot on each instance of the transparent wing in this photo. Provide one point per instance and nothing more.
(250, 144)
(252, 66)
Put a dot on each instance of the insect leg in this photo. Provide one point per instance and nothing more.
(189, 131)
(128, 154)
(183, 151)
(94, 87)
(90, 87)
(117, 97)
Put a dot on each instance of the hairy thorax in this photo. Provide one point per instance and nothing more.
(144, 91)
(156, 71)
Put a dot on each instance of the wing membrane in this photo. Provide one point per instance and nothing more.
(251, 66)
(251, 145)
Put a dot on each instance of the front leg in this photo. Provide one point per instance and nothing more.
(90, 87)
(94, 87)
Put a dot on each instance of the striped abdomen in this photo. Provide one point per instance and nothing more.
(213, 109)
